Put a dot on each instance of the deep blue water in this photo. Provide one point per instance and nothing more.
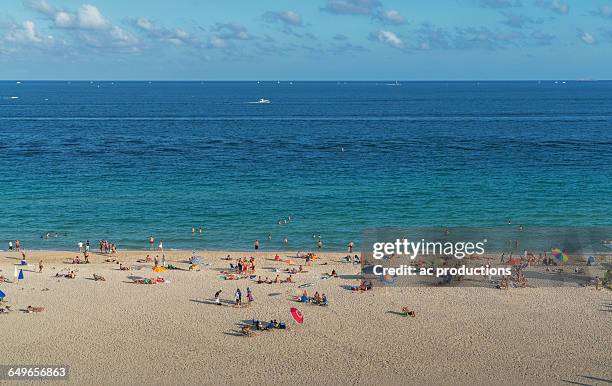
(124, 160)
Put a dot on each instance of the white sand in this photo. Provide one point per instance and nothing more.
(115, 332)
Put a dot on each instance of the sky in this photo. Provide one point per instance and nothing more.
(305, 39)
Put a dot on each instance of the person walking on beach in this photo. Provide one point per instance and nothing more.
(160, 247)
(10, 245)
(40, 266)
(238, 297)
(86, 245)
(80, 247)
(256, 244)
(217, 299)
(151, 242)
(17, 245)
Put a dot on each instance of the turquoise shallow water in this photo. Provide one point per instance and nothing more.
(124, 160)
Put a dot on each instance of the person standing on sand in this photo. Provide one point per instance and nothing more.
(10, 245)
(17, 245)
(217, 299)
(151, 242)
(256, 244)
(80, 247)
(160, 247)
(86, 245)
(238, 297)
(40, 266)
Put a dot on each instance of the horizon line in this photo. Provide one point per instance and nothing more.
(306, 80)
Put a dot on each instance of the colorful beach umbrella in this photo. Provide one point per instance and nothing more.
(196, 260)
(297, 315)
(559, 255)
(2, 295)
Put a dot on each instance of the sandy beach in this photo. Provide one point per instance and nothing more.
(119, 332)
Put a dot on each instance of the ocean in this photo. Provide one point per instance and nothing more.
(125, 160)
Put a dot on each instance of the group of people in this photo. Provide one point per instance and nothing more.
(318, 299)
(276, 280)
(107, 247)
(238, 297)
(244, 266)
(160, 246)
(16, 247)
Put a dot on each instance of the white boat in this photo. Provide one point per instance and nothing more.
(262, 101)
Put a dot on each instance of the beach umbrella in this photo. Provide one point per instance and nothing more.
(297, 315)
(2, 295)
(559, 255)
(196, 260)
(20, 277)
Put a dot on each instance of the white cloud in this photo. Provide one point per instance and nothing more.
(586, 37)
(24, 34)
(605, 11)
(287, 17)
(89, 17)
(216, 42)
(554, 5)
(175, 36)
(387, 37)
(391, 16)
(85, 26)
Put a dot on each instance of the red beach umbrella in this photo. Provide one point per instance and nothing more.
(297, 315)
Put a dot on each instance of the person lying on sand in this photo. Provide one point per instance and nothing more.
(76, 260)
(147, 259)
(408, 312)
(98, 277)
(69, 275)
(259, 280)
(3, 279)
(123, 268)
(316, 299)
(5, 309)
(146, 280)
(247, 331)
(268, 281)
(31, 309)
